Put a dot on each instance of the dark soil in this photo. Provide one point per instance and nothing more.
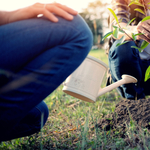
(126, 111)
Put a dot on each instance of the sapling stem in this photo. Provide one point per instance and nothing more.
(126, 33)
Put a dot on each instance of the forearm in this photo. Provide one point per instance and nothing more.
(5, 16)
(50, 11)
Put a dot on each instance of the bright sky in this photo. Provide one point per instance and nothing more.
(75, 4)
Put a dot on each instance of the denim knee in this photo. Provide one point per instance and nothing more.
(84, 41)
(37, 117)
(124, 53)
(125, 60)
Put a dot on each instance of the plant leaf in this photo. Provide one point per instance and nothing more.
(113, 13)
(133, 36)
(137, 48)
(130, 21)
(120, 30)
(146, 18)
(107, 35)
(144, 44)
(147, 74)
(136, 3)
(115, 32)
(138, 34)
(115, 26)
(121, 41)
(139, 10)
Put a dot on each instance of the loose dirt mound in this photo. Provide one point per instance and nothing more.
(125, 111)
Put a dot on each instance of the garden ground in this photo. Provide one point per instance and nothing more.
(111, 123)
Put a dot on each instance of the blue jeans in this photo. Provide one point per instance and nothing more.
(126, 60)
(36, 56)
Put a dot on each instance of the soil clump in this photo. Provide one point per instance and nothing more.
(125, 112)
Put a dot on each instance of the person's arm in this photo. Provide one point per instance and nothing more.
(48, 10)
(3, 17)
(144, 28)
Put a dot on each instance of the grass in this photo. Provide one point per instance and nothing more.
(71, 124)
(100, 54)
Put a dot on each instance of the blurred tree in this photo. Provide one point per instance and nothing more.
(95, 16)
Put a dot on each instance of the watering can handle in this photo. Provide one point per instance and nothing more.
(125, 80)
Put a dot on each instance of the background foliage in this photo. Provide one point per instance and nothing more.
(96, 15)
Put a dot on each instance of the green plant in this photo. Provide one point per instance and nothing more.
(118, 28)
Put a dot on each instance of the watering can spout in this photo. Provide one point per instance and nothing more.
(125, 80)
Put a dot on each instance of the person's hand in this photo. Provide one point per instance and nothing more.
(144, 28)
(48, 10)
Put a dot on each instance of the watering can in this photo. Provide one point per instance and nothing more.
(86, 81)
